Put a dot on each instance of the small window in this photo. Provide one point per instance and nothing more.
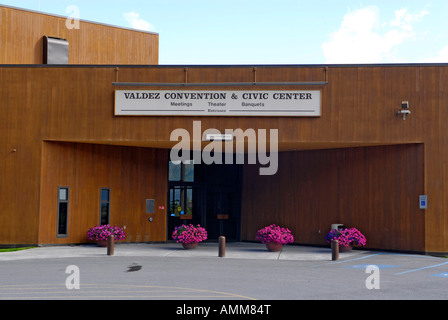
(63, 197)
(174, 173)
(104, 205)
(188, 171)
(181, 171)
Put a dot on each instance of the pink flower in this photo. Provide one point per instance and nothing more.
(189, 234)
(346, 236)
(102, 232)
(276, 234)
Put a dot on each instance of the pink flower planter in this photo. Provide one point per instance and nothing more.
(190, 246)
(274, 247)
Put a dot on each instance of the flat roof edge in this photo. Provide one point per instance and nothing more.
(165, 66)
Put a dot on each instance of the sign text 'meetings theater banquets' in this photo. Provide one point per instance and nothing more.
(86, 137)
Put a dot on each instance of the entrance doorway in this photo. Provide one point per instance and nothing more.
(209, 195)
(222, 214)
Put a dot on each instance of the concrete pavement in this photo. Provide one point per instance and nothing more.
(248, 272)
(234, 250)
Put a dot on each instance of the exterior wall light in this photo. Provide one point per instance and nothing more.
(404, 109)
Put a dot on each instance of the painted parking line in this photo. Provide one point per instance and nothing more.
(93, 291)
(363, 266)
(443, 275)
(408, 255)
(380, 266)
(348, 260)
(419, 269)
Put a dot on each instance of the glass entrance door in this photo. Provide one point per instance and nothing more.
(208, 195)
(184, 197)
(184, 206)
(181, 202)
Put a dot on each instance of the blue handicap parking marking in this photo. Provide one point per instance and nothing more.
(364, 266)
(443, 275)
(427, 267)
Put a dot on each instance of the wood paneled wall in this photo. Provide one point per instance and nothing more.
(359, 106)
(374, 189)
(21, 34)
(132, 174)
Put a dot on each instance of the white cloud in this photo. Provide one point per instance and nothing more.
(361, 39)
(404, 19)
(441, 57)
(134, 20)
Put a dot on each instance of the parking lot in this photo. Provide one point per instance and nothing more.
(248, 272)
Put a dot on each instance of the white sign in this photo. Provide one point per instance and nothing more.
(423, 202)
(300, 103)
(218, 137)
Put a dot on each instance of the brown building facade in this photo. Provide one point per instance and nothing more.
(67, 150)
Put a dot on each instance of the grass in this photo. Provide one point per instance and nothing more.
(15, 249)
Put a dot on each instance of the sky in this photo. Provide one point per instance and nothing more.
(218, 32)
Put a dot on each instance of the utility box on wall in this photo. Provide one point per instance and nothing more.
(55, 50)
(149, 205)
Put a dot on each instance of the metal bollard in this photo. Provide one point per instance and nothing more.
(335, 250)
(110, 245)
(222, 247)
